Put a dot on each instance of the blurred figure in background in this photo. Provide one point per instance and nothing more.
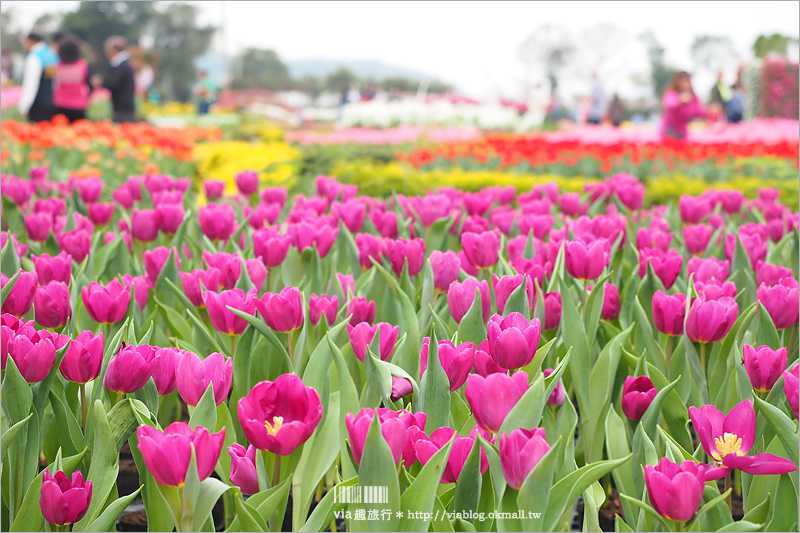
(616, 111)
(597, 108)
(71, 86)
(734, 110)
(120, 80)
(36, 100)
(681, 105)
(144, 74)
(721, 94)
(206, 92)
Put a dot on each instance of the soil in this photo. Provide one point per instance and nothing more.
(607, 513)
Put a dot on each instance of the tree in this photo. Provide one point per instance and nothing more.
(438, 87)
(9, 40)
(660, 72)
(262, 69)
(712, 53)
(772, 44)
(549, 49)
(340, 81)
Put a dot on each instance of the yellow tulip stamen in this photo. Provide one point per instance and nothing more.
(275, 426)
(728, 443)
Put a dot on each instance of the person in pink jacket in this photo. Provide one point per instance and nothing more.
(681, 105)
(71, 84)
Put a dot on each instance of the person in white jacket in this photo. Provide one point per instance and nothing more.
(36, 100)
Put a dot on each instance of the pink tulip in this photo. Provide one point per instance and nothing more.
(552, 310)
(696, 237)
(482, 249)
(475, 224)
(10, 326)
(352, 213)
(402, 251)
(611, 301)
(167, 455)
(214, 189)
(369, 248)
(652, 238)
(217, 221)
(540, 225)
(194, 375)
(191, 284)
(141, 288)
(731, 200)
(221, 317)
(764, 365)
(247, 182)
(457, 361)
(714, 290)
(348, 285)
(306, 234)
(359, 310)
(155, 260)
(48, 268)
(20, 299)
(63, 500)
(557, 396)
(676, 491)
(243, 468)
(280, 415)
(393, 429)
(484, 364)
(76, 243)
(282, 311)
(100, 213)
(780, 301)
(492, 398)
(791, 388)
(445, 266)
(710, 320)
(262, 214)
(84, 358)
(513, 340)
(130, 369)
(38, 226)
(666, 265)
(503, 287)
(21, 249)
(401, 387)
(769, 275)
(277, 195)
(570, 203)
(520, 452)
(729, 438)
(34, 353)
(536, 268)
(17, 190)
(169, 217)
(362, 334)
(466, 266)
(52, 305)
(270, 246)
(425, 448)
(144, 227)
(693, 210)
(669, 312)
(637, 395)
(385, 222)
(322, 305)
(164, 373)
(461, 295)
(707, 269)
(585, 260)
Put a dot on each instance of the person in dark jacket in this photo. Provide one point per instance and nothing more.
(616, 111)
(120, 80)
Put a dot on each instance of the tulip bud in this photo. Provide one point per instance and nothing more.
(791, 386)
(457, 361)
(461, 295)
(714, 290)
(154, 261)
(653, 238)
(38, 226)
(425, 448)
(401, 387)
(764, 365)
(707, 269)
(710, 320)
(169, 217)
(492, 398)
(283, 312)
(84, 358)
(191, 284)
(503, 287)
(692, 209)
(270, 247)
(165, 372)
(280, 426)
(214, 188)
(100, 213)
(696, 237)
(393, 429)
(130, 369)
(221, 317)
(669, 312)
(247, 182)
(557, 396)
(513, 340)
(106, 304)
(675, 491)
(144, 227)
(362, 334)
(481, 249)
(64, 501)
(194, 375)
(769, 275)
(34, 353)
(665, 265)
(585, 260)
(637, 395)
(20, 299)
(359, 310)
(347, 284)
(484, 364)
(369, 248)
(552, 310)
(466, 266)
(52, 305)
(217, 221)
(89, 188)
(48, 268)
(520, 452)
(780, 301)
(401, 251)
(243, 468)
(322, 305)
(167, 455)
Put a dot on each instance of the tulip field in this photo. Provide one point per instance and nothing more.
(463, 347)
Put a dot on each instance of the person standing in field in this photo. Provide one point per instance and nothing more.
(36, 100)
(681, 105)
(71, 86)
(120, 80)
(616, 111)
(597, 107)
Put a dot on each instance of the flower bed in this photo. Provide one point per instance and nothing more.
(448, 361)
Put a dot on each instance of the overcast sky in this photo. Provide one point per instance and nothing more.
(469, 44)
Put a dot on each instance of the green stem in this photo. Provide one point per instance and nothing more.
(83, 406)
(727, 488)
(276, 472)
(703, 356)
(669, 352)
(233, 345)
(289, 344)
(792, 339)
(737, 482)
(585, 293)
(677, 526)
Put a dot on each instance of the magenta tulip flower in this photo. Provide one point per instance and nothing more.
(513, 340)
(63, 500)
(764, 365)
(540, 225)
(84, 358)
(322, 305)
(503, 287)
(707, 269)
(154, 261)
(100, 213)
(214, 189)
(10, 326)
(611, 302)
(38, 226)
(714, 290)
(457, 361)
(666, 265)
(769, 275)
(276, 195)
(352, 213)
(520, 452)
(425, 448)
(262, 214)
(668, 312)
(106, 304)
(347, 284)
(141, 288)
(130, 369)
(675, 491)
(191, 284)
(217, 221)
(221, 317)
(164, 374)
(167, 455)
(308, 233)
(492, 398)
(484, 364)
(169, 217)
(393, 429)
(20, 300)
(482, 249)
(51, 304)
(144, 227)
(48, 268)
(76, 243)
(359, 310)
(696, 237)
(280, 415)
(34, 353)
(791, 387)
(385, 222)
(728, 439)
(369, 248)
(653, 238)
(461, 295)
(247, 182)
(637, 395)
(710, 320)
(89, 188)
(401, 387)
(362, 334)
(731, 200)
(403, 251)
(270, 247)
(552, 310)
(557, 396)
(229, 266)
(780, 301)
(243, 468)
(585, 260)
(692, 209)
(194, 375)
(283, 311)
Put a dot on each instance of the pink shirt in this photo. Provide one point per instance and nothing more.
(677, 115)
(70, 87)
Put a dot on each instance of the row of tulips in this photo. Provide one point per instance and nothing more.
(480, 359)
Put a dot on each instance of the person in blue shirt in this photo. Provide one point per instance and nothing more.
(36, 100)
